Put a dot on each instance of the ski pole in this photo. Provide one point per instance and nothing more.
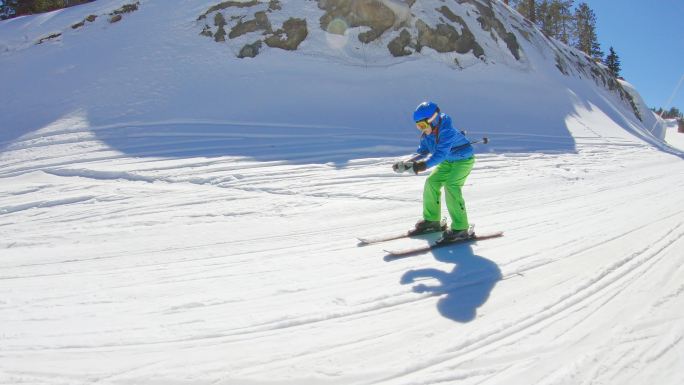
(484, 140)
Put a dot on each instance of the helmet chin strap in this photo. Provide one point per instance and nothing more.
(435, 117)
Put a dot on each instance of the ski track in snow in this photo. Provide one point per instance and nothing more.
(246, 248)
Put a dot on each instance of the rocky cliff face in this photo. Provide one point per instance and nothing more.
(463, 32)
(393, 21)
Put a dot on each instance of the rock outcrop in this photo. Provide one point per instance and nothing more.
(358, 13)
(248, 20)
(289, 37)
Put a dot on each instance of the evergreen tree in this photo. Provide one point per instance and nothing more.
(545, 18)
(5, 11)
(527, 8)
(11, 8)
(613, 62)
(672, 113)
(565, 20)
(554, 18)
(585, 32)
(532, 10)
(8, 8)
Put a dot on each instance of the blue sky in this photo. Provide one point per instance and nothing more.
(648, 36)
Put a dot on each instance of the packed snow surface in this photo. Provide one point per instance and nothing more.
(170, 214)
(673, 137)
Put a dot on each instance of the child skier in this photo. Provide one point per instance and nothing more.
(452, 153)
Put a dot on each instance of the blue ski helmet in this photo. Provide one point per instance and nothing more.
(426, 111)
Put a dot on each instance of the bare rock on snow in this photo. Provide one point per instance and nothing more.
(228, 4)
(489, 22)
(49, 37)
(89, 19)
(398, 46)
(259, 23)
(117, 14)
(358, 13)
(220, 22)
(380, 18)
(126, 8)
(289, 37)
(250, 50)
(445, 38)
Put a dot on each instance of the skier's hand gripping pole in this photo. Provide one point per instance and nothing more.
(402, 166)
(408, 165)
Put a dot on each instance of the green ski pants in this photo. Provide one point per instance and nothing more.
(452, 176)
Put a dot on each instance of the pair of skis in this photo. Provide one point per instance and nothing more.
(424, 248)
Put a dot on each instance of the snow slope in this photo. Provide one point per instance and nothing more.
(170, 214)
(673, 137)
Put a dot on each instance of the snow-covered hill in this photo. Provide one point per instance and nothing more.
(673, 136)
(171, 213)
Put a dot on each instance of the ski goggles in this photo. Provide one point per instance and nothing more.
(426, 123)
(423, 125)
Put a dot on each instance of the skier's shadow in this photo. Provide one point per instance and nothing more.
(464, 289)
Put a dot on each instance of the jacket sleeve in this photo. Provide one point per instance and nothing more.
(422, 148)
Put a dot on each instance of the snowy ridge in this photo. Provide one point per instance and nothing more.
(172, 214)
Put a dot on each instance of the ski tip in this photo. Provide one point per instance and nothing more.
(397, 254)
(362, 242)
(493, 234)
(393, 255)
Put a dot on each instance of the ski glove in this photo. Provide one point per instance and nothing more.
(419, 167)
(401, 166)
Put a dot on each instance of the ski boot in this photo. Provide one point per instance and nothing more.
(424, 227)
(451, 235)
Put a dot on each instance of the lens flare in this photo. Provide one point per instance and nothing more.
(337, 36)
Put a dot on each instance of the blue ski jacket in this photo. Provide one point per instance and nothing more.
(444, 143)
